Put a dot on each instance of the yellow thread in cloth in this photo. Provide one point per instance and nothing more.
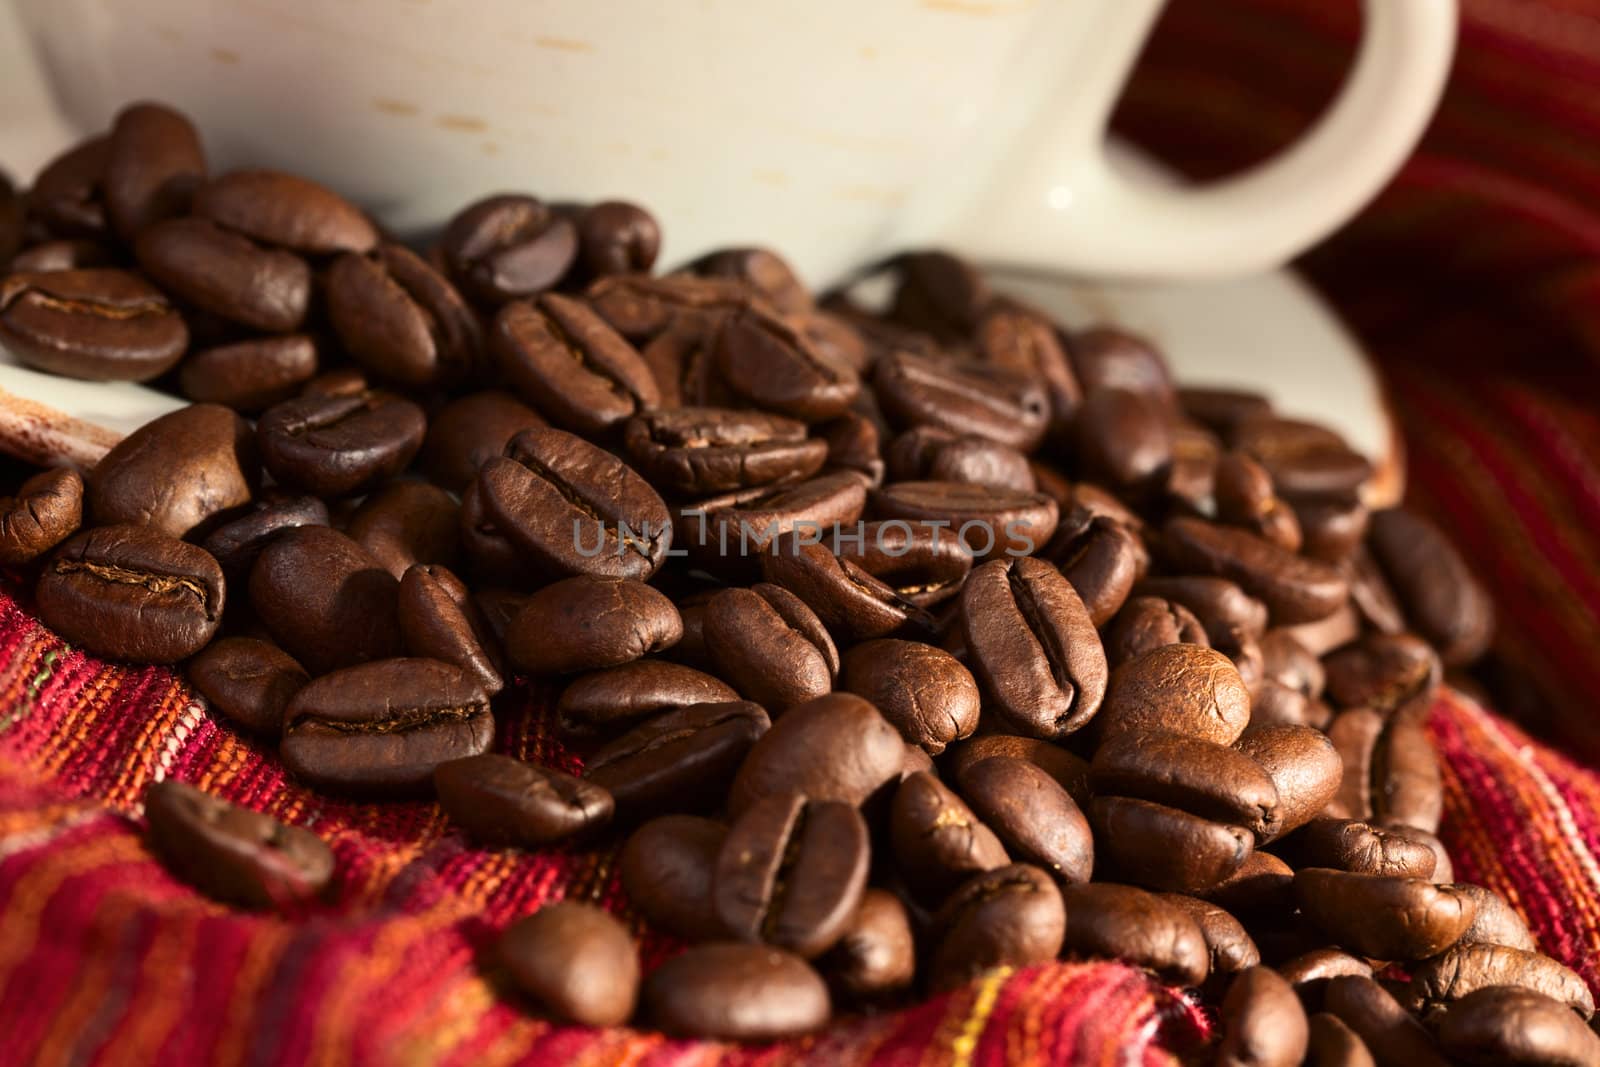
(982, 1004)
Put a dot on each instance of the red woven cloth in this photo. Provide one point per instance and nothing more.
(1471, 280)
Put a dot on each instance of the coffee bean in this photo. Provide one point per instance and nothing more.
(1463, 969)
(178, 473)
(285, 210)
(47, 509)
(1184, 689)
(325, 600)
(1303, 458)
(641, 307)
(924, 691)
(1145, 623)
(1273, 704)
(400, 319)
(566, 361)
(107, 325)
(1354, 736)
(406, 523)
(1030, 812)
(383, 727)
(1228, 613)
(578, 963)
(469, 431)
(1024, 340)
(1245, 498)
(1382, 917)
(1500, 1026)
(763, 270)
(588, 622)
(1262, 885)
(132, 593)
(1358, 847)
(1228, 945)
(1443, 869)
(490, 555)
(836, 747)
(1262, 1022)
(963, 398)
(1407, 787)
(1032, 646)
(76, 254)
(928, 453)
(1103, 561)
(1163, 848)
(1332, 528)
(575, 509)
(1124, 440)
(848, 600)
(249, 376)
(1305, 769)
(666, 868)
(439, 621)
(1294, 589)
(337, 446)
(1122, 922)
(1333, 1044)
(876, 955)
(1371, 597)
(619, 695)
(1198, 776)
(1310, 972)
(682, 359)
(1442, 598)
(154, 162)
(1393, 1037)
(1070, 770)
(924, 565)
(231, 853)
(680, 760)
(502, 801)
(854, 444)
(341, 381)
(226, 273)
(249, 680)
(1286, 661)
(616, 237)
(714, 450)
(937, 840)
(1109, 358)
(1496, 922)
(725, 534)
(774, 367)
(1191, 476)
(67, 194)
(506, 247)
(1010, 916)
(736, 992)
(238, 543)
(771, 646)
(1395, 676)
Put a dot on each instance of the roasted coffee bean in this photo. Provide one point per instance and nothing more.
(1184, 689)
(325, 600)
(1496, 922)
(108, 325)
(1358, 847)
(1036, 819)
(468, 432)
(727, 533)
(67, 194)
(178, 473)
(1354, 735)
(1294, 589)
(342, 381)
(406, 523)
(641, 307)
(1122, 922)
(1406, 784)
(586, 623)
(928, 453)
(498, 800)
(771, 646)
(287, 211)
(567, 362)
(1102, 562)
(682, 359)
(226, 273)
(1371, 597)
(924, 691)
(76, 254)
(1513, 1026)
(574, 508)
(1392, 675)
(854, 444)
(132, 593)
(618, 695)
(506, 247)
(736, 992)
(154, 163)
(1273, 704)
(231, 853)
(937, 840)
(1163, 848)
(939, 293)
(1010, 916)
(1304, 766)
(1442, 598)
(1443, 869)
(1334, 1044)
(1303, 458)
(836, 747)
(715, 450)
(763, 270)
(666, 868)
(400, 319)
(47, 509)
(1228, 945)
(617, 237)
(337, 446)
(1393, 1038)
(777, 368)
(963, 398)
(1311, 970)
(249, 376)
(680, 760)
(1146, 623)
(1332, 528)
(383, 727)
(876, 955)
(577, 963)
(791, 873)
(1024, 340)
(1229, 614)
(236, 544)
(1383, 917)
(249, 680)
(1190, 480)
(1263, 1024)
(490, 555)
(498, 607)
(1067, 768)
(1464, 969)
(1198, 776)
(1245, 498)
(1123, 439)
(1033, 647)
(924, 565)
(848, 600)
(1262, 885)
(439, 621)
(1110, 358)
(1286, 661)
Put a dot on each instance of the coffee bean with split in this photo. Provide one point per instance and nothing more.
(1010, 916)
(249, 680)
(503, 248)
(681, 760)
(100, 324)
(938, 841)
(46, 510)
(498, 800)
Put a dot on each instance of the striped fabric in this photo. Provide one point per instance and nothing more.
(1473, 280)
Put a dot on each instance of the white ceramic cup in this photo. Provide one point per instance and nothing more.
(832, 130)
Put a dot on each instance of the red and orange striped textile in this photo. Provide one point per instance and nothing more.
(1472, 281)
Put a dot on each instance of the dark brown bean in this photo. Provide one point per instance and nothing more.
(498, 800)
(588, 622)
(1443, 599)
(1263, 1024)
(1245, 498)
(1228, 945)
(1146, 623)
(1395, 676)
(506, 247)
(1008, 916)
(338, 446)
(1304, 766)
(1381, 917)
(1394, 1038)
(640, 307)
(1198, 776)
(876, 955)
(439, 621)
(848, 600)
(103, 324)
(1036, 819)
(927, 453)
(767, 362)
(836, 747)
(1294, 589)
(1358, 847)
(178, 473)
(1464, 969)
(325, 600)
(249, 680)
(249, 376)
(1406, 781)
(1023, 339)
(714, 450)
(725, 534)
(226, 273)
(1163, 848)
(1067, 768)
(666, 868)
(920, 563)
(1124, 440)
(236, 544)
(937, 840)
(1182, 689)
(924, 691)
(569, 363)
(47, 509)
(1332, 528)
(578, 963)
(154, 162)
(1303, 458)
(468, 432)
(680, 760)
(1106, 357)
(618, 695)
(616, 237)
(1129, 924)
(400, 319)
(1496, 922)
(285, 210)
(1334, 1044)
(771, 646)
(1515, 1026)
(1262, 885)
(963, 398)
(67, 194)
(940, 293)
(736, 992)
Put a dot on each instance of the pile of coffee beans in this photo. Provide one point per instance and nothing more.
(894, 645)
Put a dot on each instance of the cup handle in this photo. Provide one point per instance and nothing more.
(1066, 209)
